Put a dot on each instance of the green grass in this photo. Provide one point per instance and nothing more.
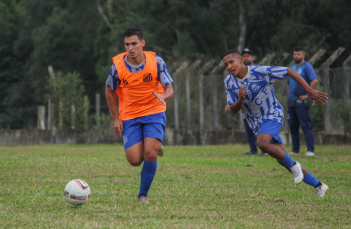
(195, 187)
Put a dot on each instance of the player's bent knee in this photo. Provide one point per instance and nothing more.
(263, 145)
(134, 162)
(151, 156)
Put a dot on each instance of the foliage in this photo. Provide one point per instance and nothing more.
(72, 36)
(66, 91)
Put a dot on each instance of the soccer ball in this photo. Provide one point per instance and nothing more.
(77, 192)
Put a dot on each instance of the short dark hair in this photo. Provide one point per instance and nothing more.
(298, 49)
(133, 31)
(231, 51)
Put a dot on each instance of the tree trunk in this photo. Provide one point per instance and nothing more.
(243, 28)
(101, 12)
(109, 7)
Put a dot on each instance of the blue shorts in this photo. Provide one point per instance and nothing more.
(271, 127)
(135, 130)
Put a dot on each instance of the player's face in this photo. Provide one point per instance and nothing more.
(134, 46)
(247, 58)
(298, 56)
(233, 64)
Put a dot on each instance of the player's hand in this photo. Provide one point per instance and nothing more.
(118, 128)
(303, 97)
(318, 96)
(227, 108)
(160, 97)
(242, 93)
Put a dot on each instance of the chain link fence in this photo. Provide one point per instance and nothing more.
(20, 110)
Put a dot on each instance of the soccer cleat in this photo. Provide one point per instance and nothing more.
(322, 190)
(251, 153)
(309, 153)
(263, 154)
(293, 153)
(143, 199)
(161, 152)
(297, 173)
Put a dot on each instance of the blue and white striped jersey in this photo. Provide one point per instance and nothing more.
(259, 103)
(163, 75)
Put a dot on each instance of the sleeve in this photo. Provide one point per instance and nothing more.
(230, 94)
(113, 79)
(230, 97)
(310, 72)
(277, 73)
(163, 75)
(271, 73)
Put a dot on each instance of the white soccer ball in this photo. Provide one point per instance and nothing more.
(77, 192)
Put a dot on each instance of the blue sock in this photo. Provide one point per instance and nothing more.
(288, 161)
(147, 175)
(311, 180)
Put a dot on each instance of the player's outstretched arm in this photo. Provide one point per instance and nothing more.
(111, 101)
(236, 107)
(166, 96)
(313, 94)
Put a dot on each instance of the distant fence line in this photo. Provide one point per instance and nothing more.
(104, 135)
(199, 98)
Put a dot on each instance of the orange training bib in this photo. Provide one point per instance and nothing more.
(135, 89)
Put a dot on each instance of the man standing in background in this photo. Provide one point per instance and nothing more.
(248, 58)
(299, 104)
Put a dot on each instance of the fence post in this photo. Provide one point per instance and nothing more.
(183, 66)
(187, 92)
(281, 60)
(267, 59)
(50, 114)
(60, 124)
(326, 84)
(214, 79)
(86, 110)
(41, 118)
(346, 94)
(51, 109)
(201, 73)
(317, 56)
(97, 109)
(73, 116)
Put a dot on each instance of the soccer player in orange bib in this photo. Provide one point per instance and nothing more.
(143, 85)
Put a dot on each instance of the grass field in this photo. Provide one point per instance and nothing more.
(195, 187)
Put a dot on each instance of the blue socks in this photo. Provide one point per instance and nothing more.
(311, 180)
(308, 178)
(288, 161)
(147, 175)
